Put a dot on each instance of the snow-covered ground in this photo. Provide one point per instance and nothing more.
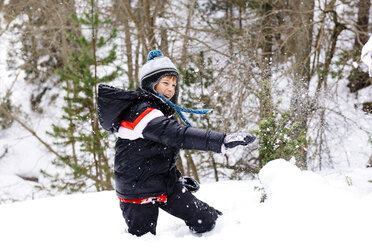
(302, 209)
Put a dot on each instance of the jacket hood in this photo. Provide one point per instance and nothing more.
(113, 102)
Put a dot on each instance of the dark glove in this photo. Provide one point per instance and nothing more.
(237, 139)
(190, 184)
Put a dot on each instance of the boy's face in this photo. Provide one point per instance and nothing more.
(167, 86)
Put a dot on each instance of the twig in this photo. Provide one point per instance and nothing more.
(10, 115)
(4, 153)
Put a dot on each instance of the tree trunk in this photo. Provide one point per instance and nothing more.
(149, 21)
(362, 36)
(191, 164)
(118, 9)
(186, 36)
(214, 166)
(302, 20)
(266, 104)
(359, 79)
(179, 165)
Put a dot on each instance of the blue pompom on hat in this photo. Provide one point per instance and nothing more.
(154, 54)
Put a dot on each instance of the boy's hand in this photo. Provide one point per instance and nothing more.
(237, 139)
(190, 183)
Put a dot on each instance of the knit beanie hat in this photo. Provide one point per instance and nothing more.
(156, 67)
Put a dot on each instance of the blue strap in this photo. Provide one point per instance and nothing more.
(180, 109)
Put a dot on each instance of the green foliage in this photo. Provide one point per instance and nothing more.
(83, 144)
(197, 77)
(278, 134)
(263, 193)
(5, 120)
(275, 134)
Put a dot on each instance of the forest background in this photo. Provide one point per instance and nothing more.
(287, 70)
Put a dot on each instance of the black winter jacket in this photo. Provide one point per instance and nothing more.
(149, 141)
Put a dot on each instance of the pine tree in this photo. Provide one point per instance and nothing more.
(83, 143)
(276, 131)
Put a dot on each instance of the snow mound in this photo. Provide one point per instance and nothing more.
(309, 210)
(367, 55)
(286, 182)
(302, 209)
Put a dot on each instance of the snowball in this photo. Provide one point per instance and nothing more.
(367, 55)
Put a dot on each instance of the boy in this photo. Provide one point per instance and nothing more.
(149, 139)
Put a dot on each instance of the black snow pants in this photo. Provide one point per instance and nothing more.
(198, 216)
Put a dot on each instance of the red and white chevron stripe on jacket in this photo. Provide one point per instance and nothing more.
(133, 130)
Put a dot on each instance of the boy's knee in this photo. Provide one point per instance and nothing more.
(140, 219)
(205, 222)
(141, 230)
(141, 225)
(203, 226)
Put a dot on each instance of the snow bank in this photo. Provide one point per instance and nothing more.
(302, 209)
(367, 55)
(312, 211)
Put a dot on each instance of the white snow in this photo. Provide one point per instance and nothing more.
(367, 55)
(302, 209)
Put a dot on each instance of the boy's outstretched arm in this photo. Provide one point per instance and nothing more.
(174, 134)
